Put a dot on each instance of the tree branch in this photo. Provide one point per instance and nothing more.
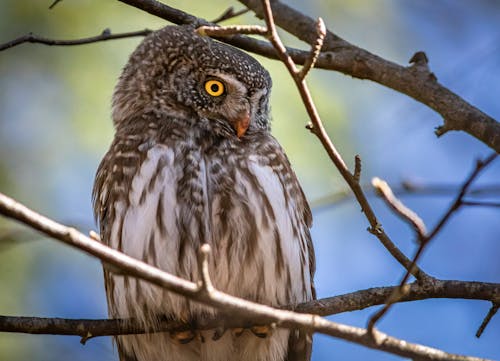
(104, 36)
(411, 188)
(237, 307)
(324, 307)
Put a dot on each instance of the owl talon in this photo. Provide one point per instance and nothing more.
(237, 331)
(218, 333)
(261, 331)
(183, 337)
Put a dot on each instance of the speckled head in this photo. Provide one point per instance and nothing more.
(175, 70)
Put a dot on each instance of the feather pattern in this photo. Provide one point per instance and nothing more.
(174, 179)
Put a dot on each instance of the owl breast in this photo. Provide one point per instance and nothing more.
(242, 200)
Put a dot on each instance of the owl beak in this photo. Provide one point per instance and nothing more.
(241, 123)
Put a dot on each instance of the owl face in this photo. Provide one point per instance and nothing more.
(176, 71)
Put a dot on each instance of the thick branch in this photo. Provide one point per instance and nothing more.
(327, 306)
(231, 305)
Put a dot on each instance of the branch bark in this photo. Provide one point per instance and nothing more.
(324, 307)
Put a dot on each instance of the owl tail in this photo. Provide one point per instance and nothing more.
(299, 346)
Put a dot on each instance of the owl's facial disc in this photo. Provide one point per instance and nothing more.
(229, 101)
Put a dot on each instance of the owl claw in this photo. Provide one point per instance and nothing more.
(237, 331)
(218, 333)
(261, 331)
(183, 337)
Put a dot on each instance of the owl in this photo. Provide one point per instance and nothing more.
(193, 162)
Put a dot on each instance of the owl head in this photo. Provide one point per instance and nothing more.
(176, 72)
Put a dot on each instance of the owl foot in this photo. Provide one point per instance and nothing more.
(183, 337)
(237, 331)
(218, 333)
(261, 331)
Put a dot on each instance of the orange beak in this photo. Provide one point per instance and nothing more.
(241, 123)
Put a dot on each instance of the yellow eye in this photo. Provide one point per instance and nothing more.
(214, 88)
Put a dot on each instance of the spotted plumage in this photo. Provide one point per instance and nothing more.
(188, 167)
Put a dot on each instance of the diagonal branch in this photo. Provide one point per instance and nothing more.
(237, 307)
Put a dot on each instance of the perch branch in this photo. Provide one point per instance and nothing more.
(324, 307)
(230, 304)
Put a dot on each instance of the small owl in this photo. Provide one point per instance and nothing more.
(193, 162)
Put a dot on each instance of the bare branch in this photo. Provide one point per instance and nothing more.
(315, 50)
(166, 12)
(411, 188)
(481, 204)
(229, 14)
(493, 310)
(229, 304)
(104, 36)
(480, 165)
(401, 210)
(53, 5)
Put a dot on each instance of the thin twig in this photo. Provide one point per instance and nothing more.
(411, 188)
(104, 36)
(237, 307)
(230, 14)
(493, 310)
(315, 50)
(54, 4)
(480, 165)
(399, 208)
(486, 204)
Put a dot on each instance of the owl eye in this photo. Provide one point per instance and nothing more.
(214, 88)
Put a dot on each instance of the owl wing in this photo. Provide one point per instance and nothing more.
(299, 342)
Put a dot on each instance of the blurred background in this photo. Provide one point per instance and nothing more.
(55, 126)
